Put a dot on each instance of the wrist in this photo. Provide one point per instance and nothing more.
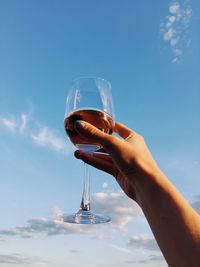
(149, 185)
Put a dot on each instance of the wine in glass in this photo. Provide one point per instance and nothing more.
(89, 100)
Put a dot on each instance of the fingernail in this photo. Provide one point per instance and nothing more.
(77, 154)
(79, 123)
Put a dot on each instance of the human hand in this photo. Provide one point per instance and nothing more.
(128, 158)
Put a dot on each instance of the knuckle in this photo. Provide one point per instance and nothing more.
(115, 172)
(93, 131)
(110, 141)
(140, 137)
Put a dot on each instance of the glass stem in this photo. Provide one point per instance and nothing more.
(85, 201)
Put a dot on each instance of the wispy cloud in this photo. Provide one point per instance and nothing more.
(150, 248)
(14, 259)
(154, 260)
(15, 124)
(23, 122)
(18, 259)
(121, 249)
(175, 28)
(10, 124)
(27, 126)
(48, 138)
(143, 242)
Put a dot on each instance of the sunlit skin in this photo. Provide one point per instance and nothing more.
(175, 224)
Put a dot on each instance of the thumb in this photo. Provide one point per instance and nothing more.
(92, 133)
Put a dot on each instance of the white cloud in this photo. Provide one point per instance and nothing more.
(174, 8)
(10, 124)
(56, 213)
(25, 126)
(14, 259)
(47, 226)
(23, 122)
(49, 139)
(57, 227)
(143, 242)
(172, 19)
(168, 35)
(118, 206)
(15, 124)
(18, 259)
(175, 29)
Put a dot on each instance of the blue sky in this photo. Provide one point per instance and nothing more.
(149, 51)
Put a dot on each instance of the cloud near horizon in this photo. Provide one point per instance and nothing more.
(20, 260)
(148, 244)
(121, 210)
(156, 260)
(174, 30)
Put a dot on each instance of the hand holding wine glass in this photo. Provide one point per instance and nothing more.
(123, 157)
(169, 214)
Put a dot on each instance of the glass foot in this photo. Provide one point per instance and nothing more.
(85, 217)
(87, 148)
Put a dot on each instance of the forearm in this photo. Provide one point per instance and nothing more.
(173, 221)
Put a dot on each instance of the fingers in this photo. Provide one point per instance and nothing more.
(101, 150)
(110, 144)
(123, 130)
(90, 132)
(105, 157)
(98, 161)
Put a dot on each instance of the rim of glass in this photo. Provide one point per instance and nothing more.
(109, 88)
(92, 77)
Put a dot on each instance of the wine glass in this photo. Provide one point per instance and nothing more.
(90, 100)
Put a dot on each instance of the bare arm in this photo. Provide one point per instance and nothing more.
(176, 226)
